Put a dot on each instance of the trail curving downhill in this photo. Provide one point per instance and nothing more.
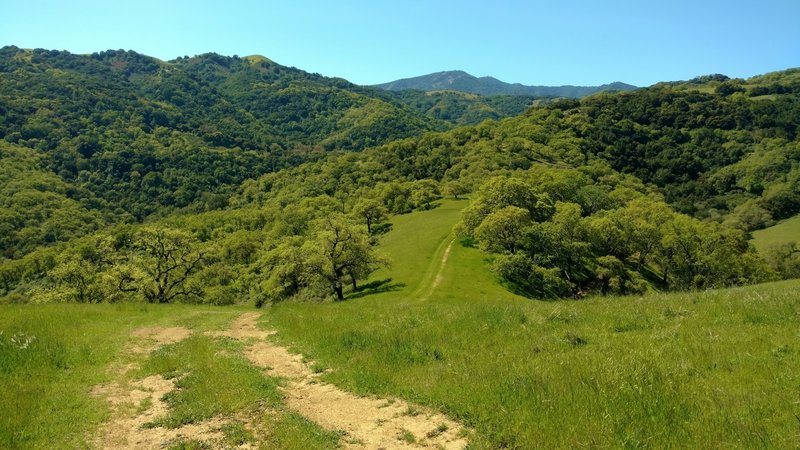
(366, 422)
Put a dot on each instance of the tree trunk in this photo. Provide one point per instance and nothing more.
(355, 286)
(339, 293)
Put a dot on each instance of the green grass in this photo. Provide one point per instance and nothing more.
(414, 254)
(52, 355)
(45, 395)
(709, 369)
(785, 231)
(688, 370)
(213, 380)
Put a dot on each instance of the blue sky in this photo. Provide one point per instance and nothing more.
(530, 42)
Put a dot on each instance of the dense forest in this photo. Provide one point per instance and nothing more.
(225, 179)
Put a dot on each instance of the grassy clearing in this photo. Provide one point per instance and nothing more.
(785, 231)
(413, 253)
(710, 369)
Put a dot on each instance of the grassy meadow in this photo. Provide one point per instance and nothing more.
(707, 369)
(786, 231)
(713, 369)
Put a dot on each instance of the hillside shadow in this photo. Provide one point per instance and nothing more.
(376, 287)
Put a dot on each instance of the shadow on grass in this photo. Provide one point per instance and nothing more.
(376, 287)
(381, 228)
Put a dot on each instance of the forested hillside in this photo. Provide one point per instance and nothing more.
(248, 170)
(142, 134)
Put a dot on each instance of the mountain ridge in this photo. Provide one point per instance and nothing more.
(459, 80)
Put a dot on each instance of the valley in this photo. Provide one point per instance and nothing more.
(225, 252)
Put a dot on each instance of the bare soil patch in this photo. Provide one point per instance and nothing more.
(154, 337)
(138, 403)
(367, 422)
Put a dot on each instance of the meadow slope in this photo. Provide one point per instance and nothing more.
(702, 369)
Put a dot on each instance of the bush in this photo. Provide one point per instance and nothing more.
(524, 277)
(785, 259)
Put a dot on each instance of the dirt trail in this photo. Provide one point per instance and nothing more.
(370, 423)
(433, 274)
(366, 422)
(153, 337)
(137, 403)
(438, 278)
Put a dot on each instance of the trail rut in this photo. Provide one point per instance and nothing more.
(366, 422)
(137, 403)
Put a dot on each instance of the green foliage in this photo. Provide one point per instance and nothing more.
(462, 108)
(611, 251)
(784, 259)
(371, 211)
(169, 259)
(502, 230)
(525, 277)
(127, 136)
(36, 206)
(340, 250)
(187, 142)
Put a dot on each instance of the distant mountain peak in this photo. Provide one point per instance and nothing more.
(458, 80)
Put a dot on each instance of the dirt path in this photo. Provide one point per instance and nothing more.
(433, 274)
(370, 423)
(365, 422)
(438, 278)
(139, 403)
(136, 403)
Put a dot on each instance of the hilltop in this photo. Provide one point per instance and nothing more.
(458, 80)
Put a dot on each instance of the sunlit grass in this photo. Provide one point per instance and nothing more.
(697, 370)
(687, 370)
(781, 233)
(52, 355)
(45, 397)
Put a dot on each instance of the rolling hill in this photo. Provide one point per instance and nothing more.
(457, 80)
(517, 373)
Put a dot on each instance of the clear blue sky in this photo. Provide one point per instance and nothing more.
(531, 42)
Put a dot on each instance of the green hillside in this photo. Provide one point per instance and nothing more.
(144, 135)
(520, 374)
(516, 274)
(781, 233)
(664, 368)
